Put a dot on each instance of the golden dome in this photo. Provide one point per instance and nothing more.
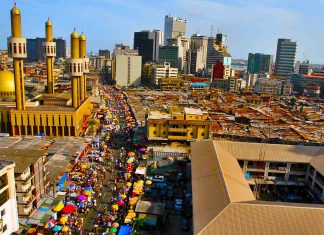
(15, 10)
(82, 37)
(74, 34)
(48, 22)
(7, 81)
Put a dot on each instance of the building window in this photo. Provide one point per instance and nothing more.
(3, 212)
(154, 132)
(3, 181)
(202, 134)
(19, 48)
(15, 48)
(191, 133)
(4, 197)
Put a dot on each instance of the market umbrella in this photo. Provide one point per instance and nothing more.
(87, 193)
(148, 182)
(70, 203)
(133, 200)
(57, 228)
(84, 166)
(68, 209)
(73, 194)
(50, 224)
(65, 228)
(115, 225)
(121, 203)
(113, 230)
(31, 230)
(88, 188)
(142, 149)
(128, 184)
(82, 198)
(59, 206)
(115, 207)
(122, 195)
(64, 219)
(81, 204)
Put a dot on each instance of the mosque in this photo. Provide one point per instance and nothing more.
(51, 114)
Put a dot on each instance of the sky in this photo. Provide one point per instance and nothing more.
(251, 25)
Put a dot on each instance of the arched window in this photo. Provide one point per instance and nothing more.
(15, 48)
(51, 49)
(74, 67)
(24, 48)
(10, 51)
(79, 67)
(19, 48)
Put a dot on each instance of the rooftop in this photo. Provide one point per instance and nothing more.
(223, 202)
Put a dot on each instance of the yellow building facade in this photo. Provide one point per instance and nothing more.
(178, 124)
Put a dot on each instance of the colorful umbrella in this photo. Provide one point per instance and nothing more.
(148, 182)
(128, 184)
(58, 206)
(121, 203)
(64, 219)
(115, 225)
(113, 230)
(87, 193)
(68, 209)
(57, 228)
(73, 194)
(65, 229)
(50, 224)
(82, 198)
(122, 195)
(31, 230)
(88, 188)
(115, 207)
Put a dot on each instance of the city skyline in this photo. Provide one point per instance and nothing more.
(108, 22)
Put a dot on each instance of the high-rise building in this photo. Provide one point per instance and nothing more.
(8, 202)
(128, 69)
(169, 54)
(285, 57)
(259, 63)
(163, 71)
(147, 43)
(182, 42)
(303, 68)
(198, 48)
(121, 49)
(67, 52)
(61, 48)
(105, 53)
(173, 27)
(35, 51)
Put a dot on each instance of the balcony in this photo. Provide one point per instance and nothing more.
(24, 188)
(279, 169)
(25, 211)
(27, 200)
(173, 137)
(24, 177)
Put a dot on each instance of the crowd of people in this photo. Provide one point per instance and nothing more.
(111, 158)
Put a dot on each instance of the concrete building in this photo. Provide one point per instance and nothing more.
(198, 48)
(8, 203)
(178, 124)
(148, 43)
(303, 68)
(121, 49)
(182, 42)
(35, 51)
(31, 177)
(163, 71)
(169, 54)
(259, 63)
(273, 86)
(173, 27)
(105, 53)
(62, 51)
(285, 57)
(218, 178)
(300, 82)
(128, 69)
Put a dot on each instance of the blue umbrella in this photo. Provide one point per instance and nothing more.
(88, 188)
(57, 228)
(70, 203)
(81, 204)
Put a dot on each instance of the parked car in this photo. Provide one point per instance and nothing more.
(178, 204)
(185, 226)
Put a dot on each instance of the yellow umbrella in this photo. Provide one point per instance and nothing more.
(148, 182)
(123, 195)
(115, 207)
(128, 184)
(65, 228)
(58, 207)
(133, 200)
(87, 193)
(63, 219)
(84, 166)
(31, 230)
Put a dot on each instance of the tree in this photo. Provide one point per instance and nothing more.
(292, 102)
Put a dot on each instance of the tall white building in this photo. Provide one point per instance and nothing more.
(173, 27)
(128, 70)
(8, 203)
(183, 44)
(163, 71)
(198, 47)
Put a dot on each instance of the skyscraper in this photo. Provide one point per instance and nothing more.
(285, 57)
(198, 47)
(60, 48)
(105, 53)
(182, 42)
(259, 63)
(173, 27)
(147, 43)
(35, 51)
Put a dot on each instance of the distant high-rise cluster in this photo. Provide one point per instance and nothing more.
(285, 57)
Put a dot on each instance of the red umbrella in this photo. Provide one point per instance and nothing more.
(68, 209)
(121, 203)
